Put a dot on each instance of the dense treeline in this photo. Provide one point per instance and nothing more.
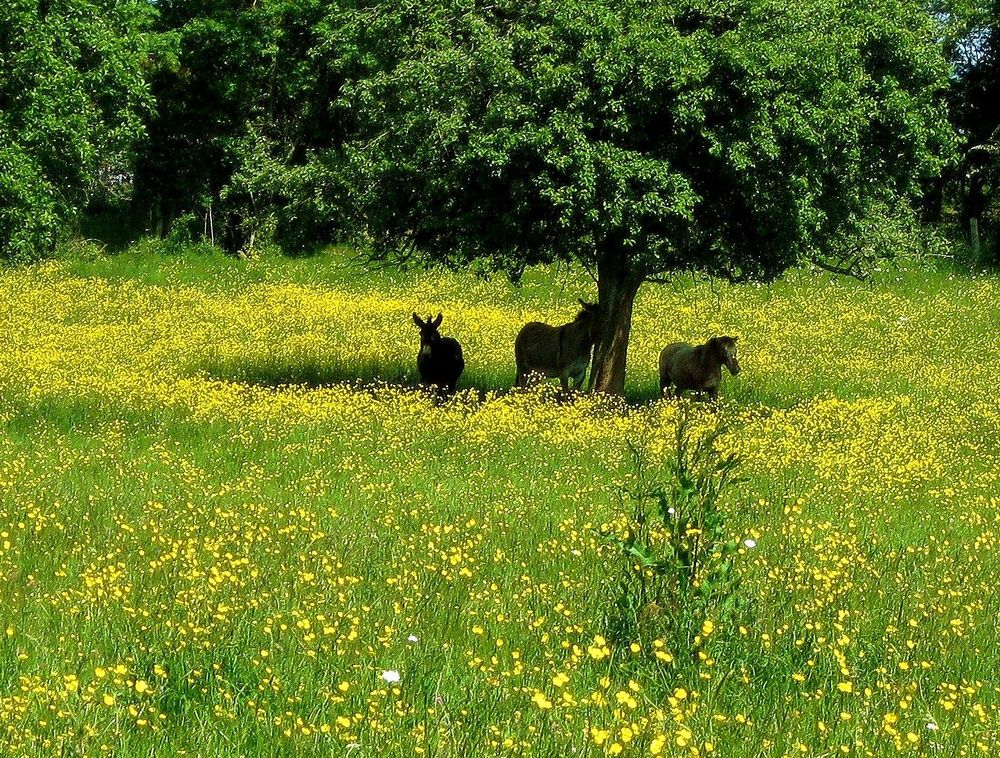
(970, 185)
(244, 102)
(179, 107)
(638, 139)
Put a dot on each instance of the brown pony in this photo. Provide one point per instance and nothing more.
(697, 368)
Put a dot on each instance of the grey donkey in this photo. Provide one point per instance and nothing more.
(557, 351)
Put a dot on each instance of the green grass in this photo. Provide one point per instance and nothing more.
(196, 450)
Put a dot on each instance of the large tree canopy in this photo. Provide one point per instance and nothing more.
(637, 138)
(71, 93)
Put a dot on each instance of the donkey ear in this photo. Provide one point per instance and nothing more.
(417, 321)
(437, 321)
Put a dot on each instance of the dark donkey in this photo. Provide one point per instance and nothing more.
(698, 368)
(562, 351)
(440, 360)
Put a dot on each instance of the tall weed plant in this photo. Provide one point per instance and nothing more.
(676, 582)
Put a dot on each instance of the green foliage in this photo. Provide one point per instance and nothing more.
(973, 47)
(677, 564)
(675, 137)
(71, 94)
(899, 236)
(976, 101)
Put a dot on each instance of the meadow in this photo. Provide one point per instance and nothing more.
(231, 525)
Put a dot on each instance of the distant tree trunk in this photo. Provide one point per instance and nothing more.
(617, 285)
(156, 220)
(975, 205)
(933, 200)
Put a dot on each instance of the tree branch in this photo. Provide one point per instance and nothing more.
(851, 268)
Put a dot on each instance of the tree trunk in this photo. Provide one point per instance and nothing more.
(975, 205)
(617, 285)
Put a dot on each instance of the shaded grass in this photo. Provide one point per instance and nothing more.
(361, 375)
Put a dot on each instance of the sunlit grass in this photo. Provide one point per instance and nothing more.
(224, 512)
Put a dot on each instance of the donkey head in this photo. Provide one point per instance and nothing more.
(588, 316)
(429, 334)
(725, 350)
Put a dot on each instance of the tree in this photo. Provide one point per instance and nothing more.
(638, 138)
(242, 103)
(71, 94)
(973, 46)
(204, 84)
